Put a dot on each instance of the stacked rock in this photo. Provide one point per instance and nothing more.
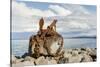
(47, 42)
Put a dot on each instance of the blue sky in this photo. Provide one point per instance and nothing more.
(44, 6)
(72, 17)
(91, 8)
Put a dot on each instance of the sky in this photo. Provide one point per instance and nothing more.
(73, 19)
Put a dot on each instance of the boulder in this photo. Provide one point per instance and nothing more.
(74, 59)
(63, 60)
(91, 51)
(74, 53)
(41, 61)
(68, 50)
(19, 60)
(28, 58)
(67, 55)
(52, 62)
(86, 58)
(28, 63)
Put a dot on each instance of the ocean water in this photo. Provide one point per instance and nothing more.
(19, 47)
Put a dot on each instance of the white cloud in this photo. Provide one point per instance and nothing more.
(80, 20)
(73, 18)
(23, 16)
(83, 25)
(22, 9)
(60, 10)
(76, 9)
(77, 25)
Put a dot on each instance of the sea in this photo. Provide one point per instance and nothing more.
(19, 47)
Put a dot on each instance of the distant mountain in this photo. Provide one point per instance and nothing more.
(94, 37)
(26, 35)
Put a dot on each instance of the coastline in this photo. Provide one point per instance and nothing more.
(74, 55)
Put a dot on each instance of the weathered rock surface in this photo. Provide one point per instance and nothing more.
(77, 55)
(47, 41)
(80, 55)
(41, 60)
(52, 62)
(28, 58)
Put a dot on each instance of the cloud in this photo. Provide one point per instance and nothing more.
(76, 9)
(60, 10)
(23, 17)
(71, 24)
(21, 8)
(71, 18)
(78, 25)
(81, 20)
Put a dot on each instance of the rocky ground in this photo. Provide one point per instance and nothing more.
(76, 55)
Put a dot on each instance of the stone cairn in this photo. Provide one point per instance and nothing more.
(47, 42)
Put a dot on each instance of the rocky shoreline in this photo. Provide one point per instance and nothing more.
(75, 55)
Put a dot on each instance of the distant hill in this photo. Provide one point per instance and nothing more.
(26, 35)
(84, 37)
